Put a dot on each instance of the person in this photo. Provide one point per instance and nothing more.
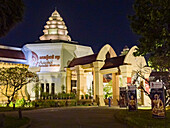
(109, 101)
(157, 106)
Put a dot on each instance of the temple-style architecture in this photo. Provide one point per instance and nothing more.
(55, 28)
(58, 62)
(123, 69)
(51, 55)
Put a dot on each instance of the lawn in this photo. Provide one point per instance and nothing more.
(142, 119)
(5, 109)
(15, 122)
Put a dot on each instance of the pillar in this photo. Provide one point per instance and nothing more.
(80, 81)
(94, 87)
(85, 83)
(98, 83)
(115, 87)
(49, 88)
(68, 81)
(126, 72)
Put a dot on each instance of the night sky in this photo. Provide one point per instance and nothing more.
(90, 22)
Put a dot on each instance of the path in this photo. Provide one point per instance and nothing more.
(72, 117)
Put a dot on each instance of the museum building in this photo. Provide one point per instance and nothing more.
(59, 61)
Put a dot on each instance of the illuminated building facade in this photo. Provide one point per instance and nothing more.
(12, 57)
(59, 61)
(51, 54)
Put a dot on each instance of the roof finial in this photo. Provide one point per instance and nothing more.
(55, 8)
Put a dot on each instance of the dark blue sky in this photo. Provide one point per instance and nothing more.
(90, 22)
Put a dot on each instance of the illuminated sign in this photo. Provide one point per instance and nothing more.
(45, 61)
(48, 61)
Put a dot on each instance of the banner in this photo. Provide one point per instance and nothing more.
(123, 97)
(158, 100)
(132, 98)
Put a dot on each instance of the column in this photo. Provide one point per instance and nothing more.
(85, 83)
(126, 72)
(98, 83)
(94, 87)
(68, 80)
(115, 87)
(80, 81)
(50, 88)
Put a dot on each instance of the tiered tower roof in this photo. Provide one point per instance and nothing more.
(55, 29)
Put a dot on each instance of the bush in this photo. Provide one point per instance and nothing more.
(61, 103)
(86, 96)
(72, 103)
(72, 96)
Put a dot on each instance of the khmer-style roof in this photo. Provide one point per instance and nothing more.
(113, 62)
(109, 62)
(13, 54)
(83, 60)
(55, 29)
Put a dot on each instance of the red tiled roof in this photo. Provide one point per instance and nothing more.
(14, 54)
(113, 62)
(83, 60)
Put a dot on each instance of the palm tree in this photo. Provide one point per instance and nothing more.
(11, 12)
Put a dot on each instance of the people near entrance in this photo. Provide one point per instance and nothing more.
(109, 99)
(158, 106)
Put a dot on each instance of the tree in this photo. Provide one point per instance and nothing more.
(11, 12)
(151, 22)
(13, 79)
(108, 89)
(140, 73)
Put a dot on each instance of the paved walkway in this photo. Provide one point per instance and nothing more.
(72, 117)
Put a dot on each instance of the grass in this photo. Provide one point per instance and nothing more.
(15, 122)
(142, 119)
(6, 109)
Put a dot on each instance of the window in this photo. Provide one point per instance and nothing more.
(52, 88)
(42, 88)
(47, 87)
(73, 84)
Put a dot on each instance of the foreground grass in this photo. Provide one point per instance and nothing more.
(15, 122)
(142, 119)
(6, 109)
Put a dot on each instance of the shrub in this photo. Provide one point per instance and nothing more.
(86, 96)
(82, 96)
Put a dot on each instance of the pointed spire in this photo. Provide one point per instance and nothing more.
(125, 50)
(55, 29)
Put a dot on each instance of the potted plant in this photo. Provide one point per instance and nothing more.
(72, 95)
(67, 96)
(55, 96)
(59, 95)
(82, 96)
(43, 95)
(64, 95)
(87, 96)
